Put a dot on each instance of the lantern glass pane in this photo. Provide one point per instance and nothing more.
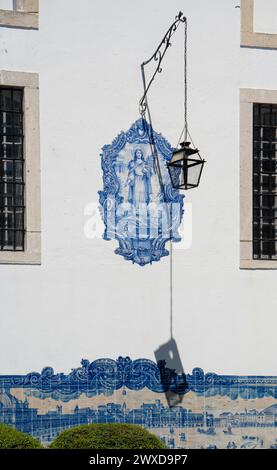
(194, 174)
(175, 175)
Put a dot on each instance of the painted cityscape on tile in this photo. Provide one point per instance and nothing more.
(214, 411)
(136, 211)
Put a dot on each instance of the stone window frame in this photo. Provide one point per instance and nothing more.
(250, 38)
(248, 96)
(31, 151)
(25, 14)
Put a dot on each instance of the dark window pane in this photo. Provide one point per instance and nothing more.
(6, 99)
(8, 170)
(269, 134)
(17, 100)
(268, 232)
(19, 240)
(268, 202)
(256, 115)
(268, 248)
(274, 115)
(19, 188)
(18, 200)
(269, 165)
(267, 214)
(256, 231)
(9, 219)
(257, 133)
(18, 171)
(17, 148)
(256, 249)
(19, 218)
(265, 115)
(266, 146)
(11, 123)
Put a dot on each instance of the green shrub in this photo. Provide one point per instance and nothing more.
(10, 438)
(107, 436)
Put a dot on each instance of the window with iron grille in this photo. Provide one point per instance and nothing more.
(12, 227)
(265, 181)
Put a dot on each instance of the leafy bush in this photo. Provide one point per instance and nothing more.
(10, 438)
(107, 436)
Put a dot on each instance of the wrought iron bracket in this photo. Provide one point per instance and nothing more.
(158, 57)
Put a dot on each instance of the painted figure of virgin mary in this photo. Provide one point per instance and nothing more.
(139, 179)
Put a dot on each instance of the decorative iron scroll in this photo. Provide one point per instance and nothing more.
(158, 57)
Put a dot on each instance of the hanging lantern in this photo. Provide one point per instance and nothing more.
(185, 172)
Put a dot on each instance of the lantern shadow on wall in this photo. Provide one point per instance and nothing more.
(173, 377)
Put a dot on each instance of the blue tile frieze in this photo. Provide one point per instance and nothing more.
(107, 375)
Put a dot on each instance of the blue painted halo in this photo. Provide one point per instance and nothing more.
(134, 210)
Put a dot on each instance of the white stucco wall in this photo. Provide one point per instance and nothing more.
(6, 4)
(265, 16)
(84, 301)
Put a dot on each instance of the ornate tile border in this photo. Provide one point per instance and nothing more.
(104, 376)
